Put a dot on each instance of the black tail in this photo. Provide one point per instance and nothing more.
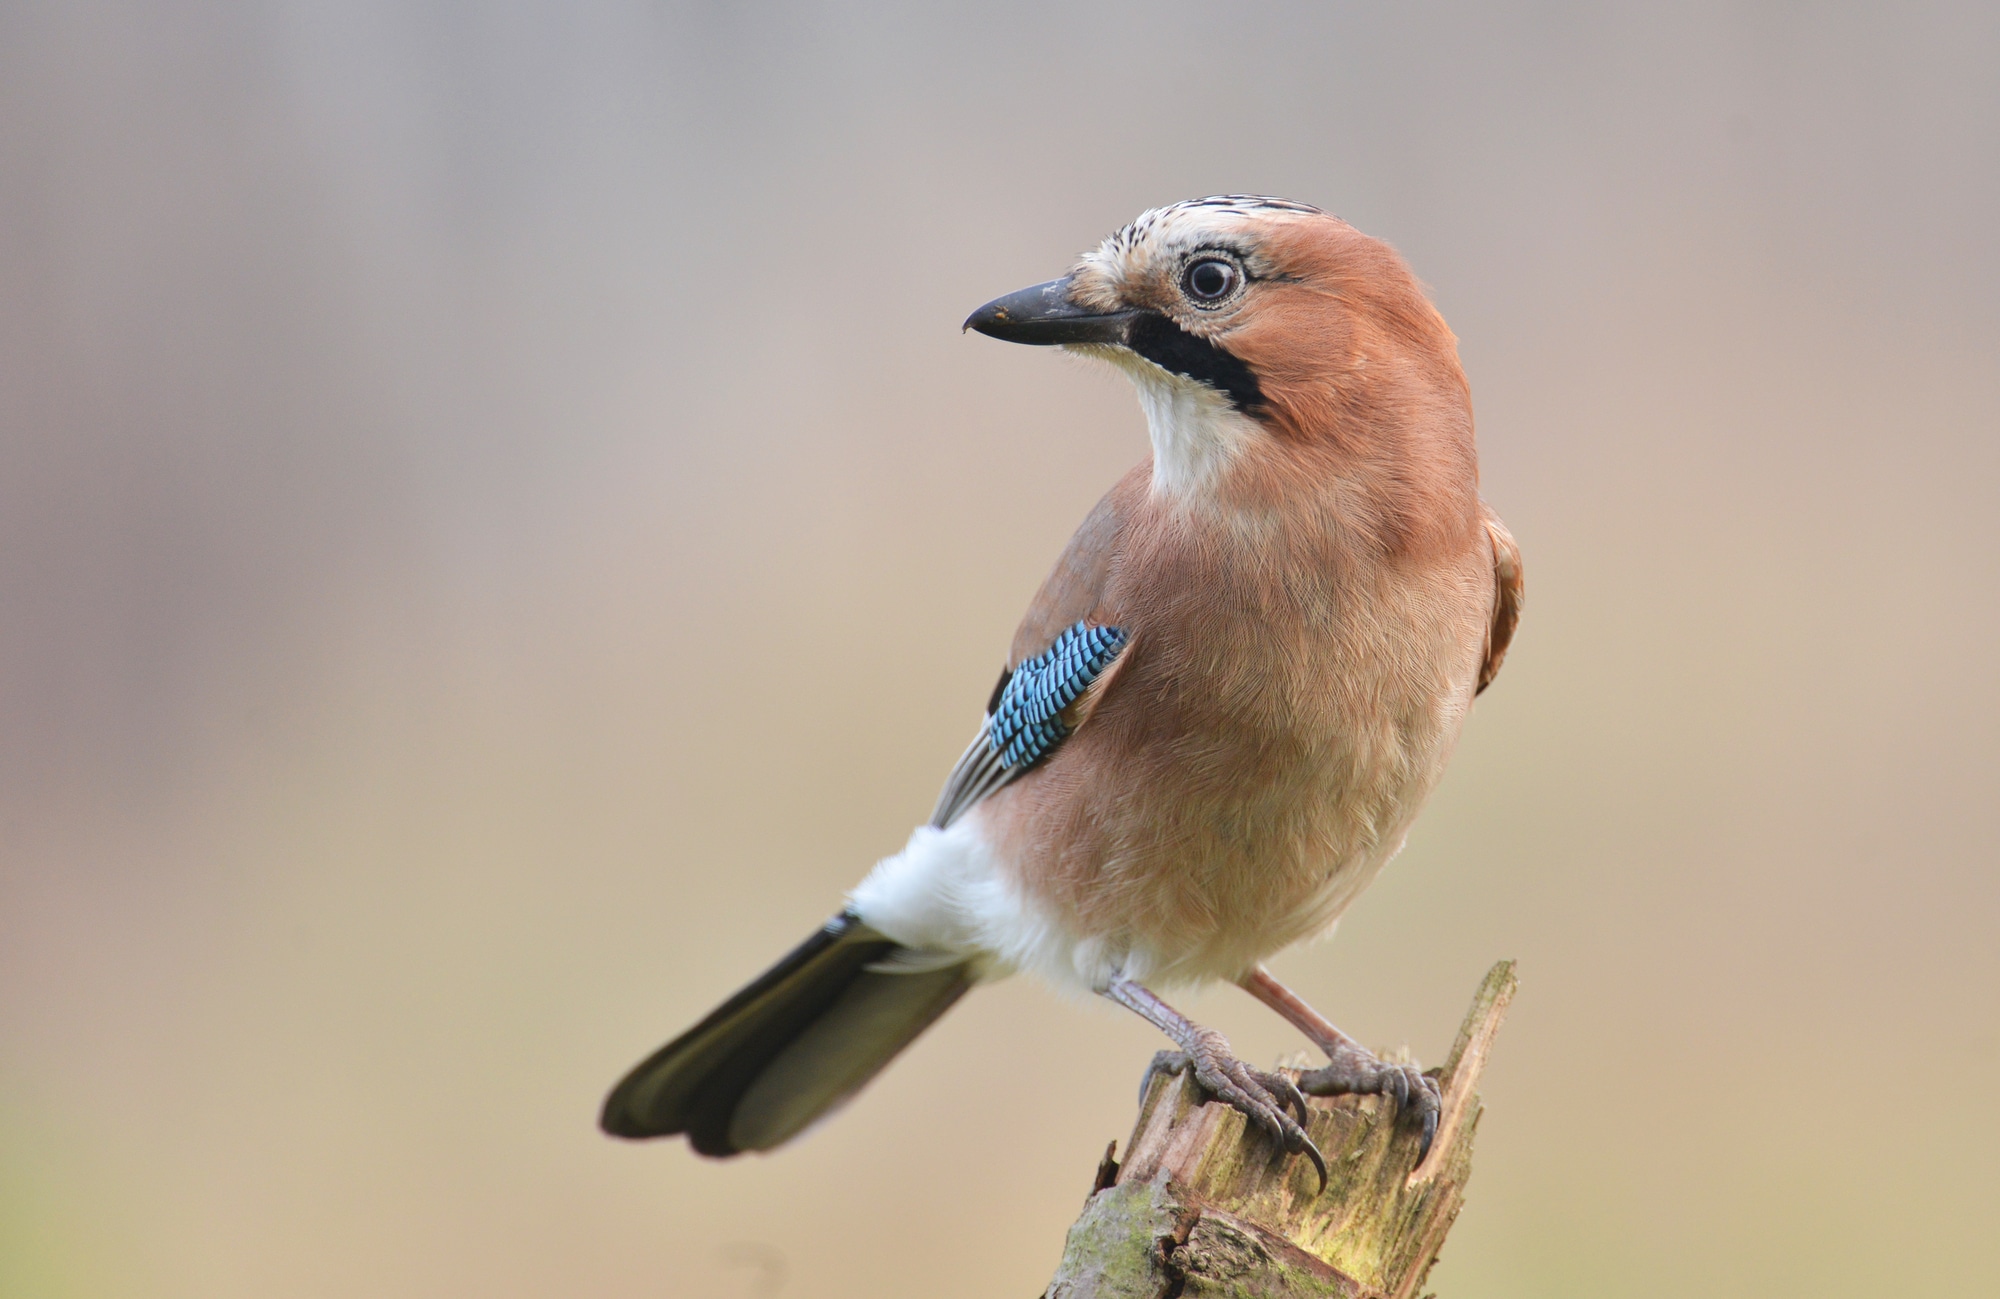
(788, 1048)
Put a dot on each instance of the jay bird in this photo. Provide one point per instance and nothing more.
(1221, 713)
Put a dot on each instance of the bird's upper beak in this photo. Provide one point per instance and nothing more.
(1043, 314)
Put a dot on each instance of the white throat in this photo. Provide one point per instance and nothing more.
(1196, 433)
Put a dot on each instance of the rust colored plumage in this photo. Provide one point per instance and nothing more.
(1305, 637)
(1307, 593)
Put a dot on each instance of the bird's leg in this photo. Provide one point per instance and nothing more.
(1351, 1066)
(1261, 1097)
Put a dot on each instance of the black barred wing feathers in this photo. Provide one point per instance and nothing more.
(1027, 718)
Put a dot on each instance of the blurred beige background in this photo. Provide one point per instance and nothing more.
(499, 527)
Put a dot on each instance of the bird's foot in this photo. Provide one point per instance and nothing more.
(1268, 1100)
(1355, 1070)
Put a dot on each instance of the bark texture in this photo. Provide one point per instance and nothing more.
(1204, 1206)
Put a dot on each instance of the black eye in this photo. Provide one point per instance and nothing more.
(1210, 280)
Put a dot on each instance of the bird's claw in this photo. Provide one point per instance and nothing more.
(1353, 1071)
(1268, 1100)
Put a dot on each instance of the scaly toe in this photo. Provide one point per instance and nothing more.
(1284, 1090)
(1260, 1097)
(1359, 1073)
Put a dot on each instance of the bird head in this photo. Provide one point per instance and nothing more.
(1258, 330)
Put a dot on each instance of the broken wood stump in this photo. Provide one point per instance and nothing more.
(1204, 1206)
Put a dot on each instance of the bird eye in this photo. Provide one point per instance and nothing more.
(1210, 280)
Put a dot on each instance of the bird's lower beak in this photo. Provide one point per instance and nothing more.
(1044, 315)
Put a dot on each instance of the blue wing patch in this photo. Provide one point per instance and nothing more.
(1027, 716)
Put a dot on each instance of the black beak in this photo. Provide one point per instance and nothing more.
(1044, 315)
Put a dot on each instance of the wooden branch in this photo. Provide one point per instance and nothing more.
(1202, 1206)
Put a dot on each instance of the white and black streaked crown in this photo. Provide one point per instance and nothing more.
(1248, 204)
